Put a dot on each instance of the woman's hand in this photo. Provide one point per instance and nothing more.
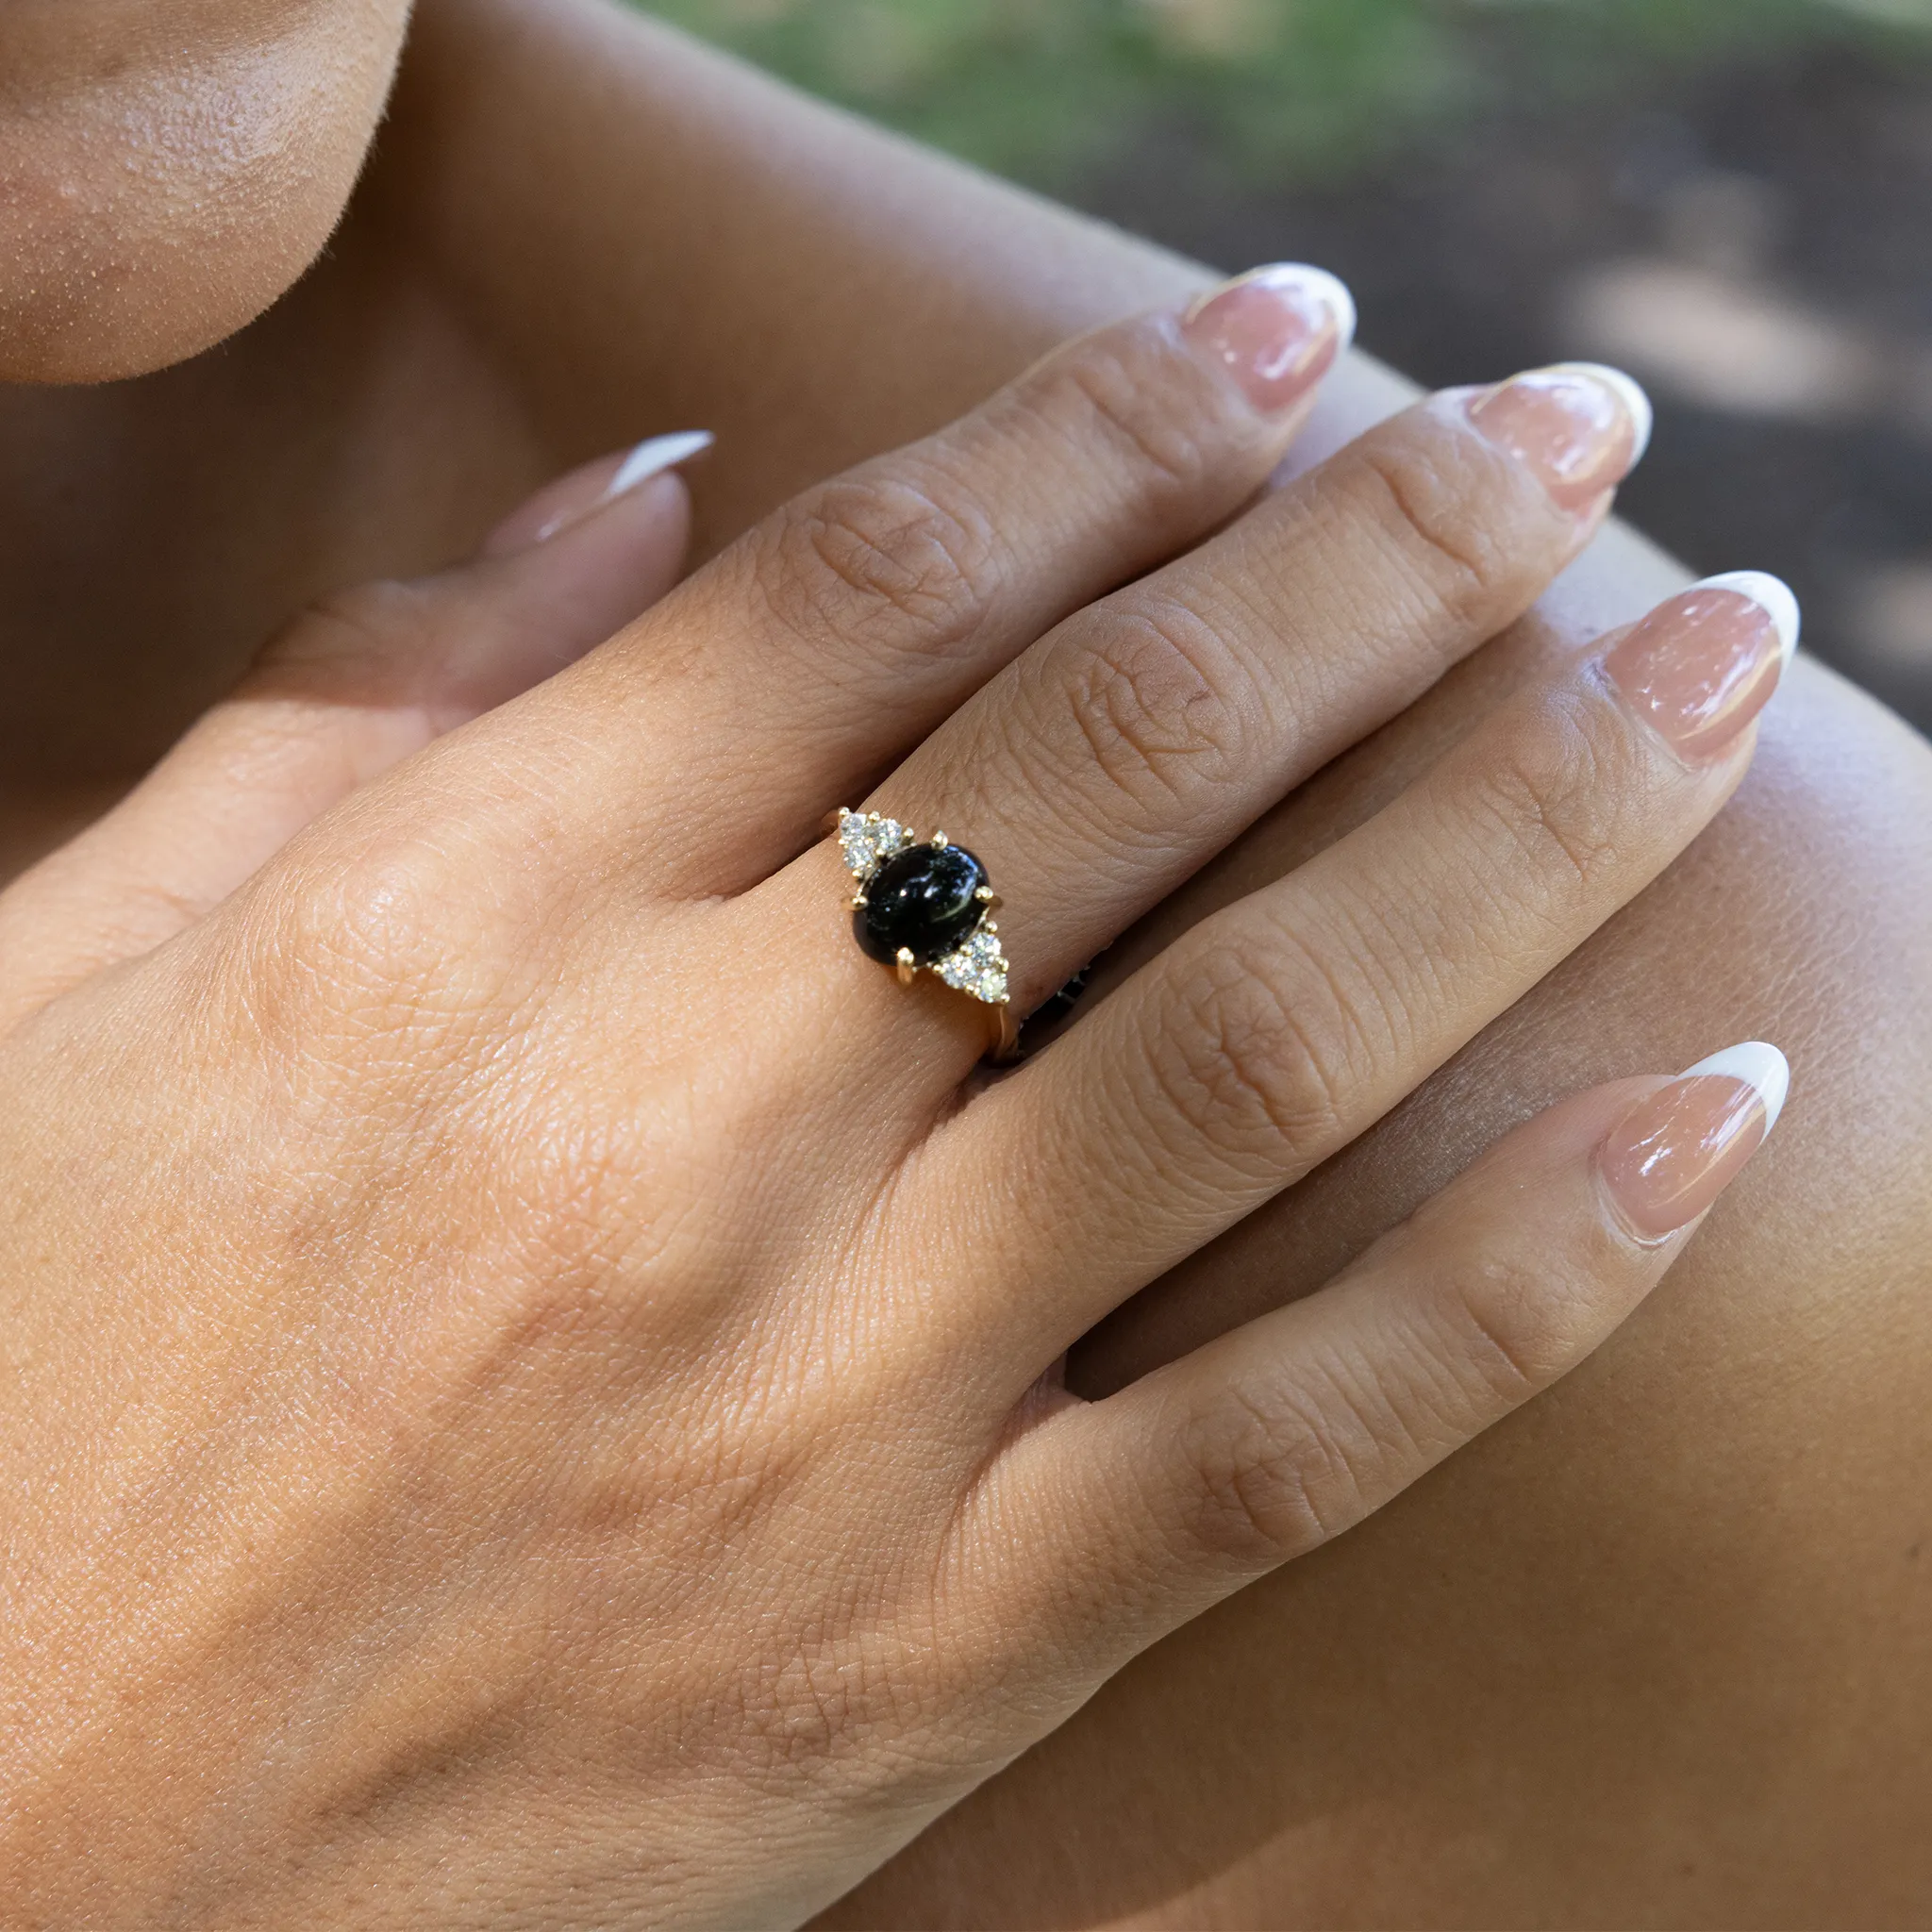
(531, 1357)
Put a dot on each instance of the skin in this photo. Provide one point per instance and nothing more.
(1647, 1654)
(598, 1468)
(139, 144)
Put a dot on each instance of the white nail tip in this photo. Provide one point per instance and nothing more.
(1758, 1065)
(655, 455)
(1771, 593)
(1643, 415)
(1334, 293)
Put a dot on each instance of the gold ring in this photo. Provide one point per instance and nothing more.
(926, 905)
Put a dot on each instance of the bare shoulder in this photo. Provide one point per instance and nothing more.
(1653, 1651)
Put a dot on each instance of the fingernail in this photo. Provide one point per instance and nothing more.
(1701, 666)
(570, 499)
(1579, 427)
(1277, 330)
(1673, 1154)
(655, 455)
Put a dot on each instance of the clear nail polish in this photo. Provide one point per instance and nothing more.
(1703, 665)
(1277, 330)
(1667, 1162)
(566, 502)
(1578, 427)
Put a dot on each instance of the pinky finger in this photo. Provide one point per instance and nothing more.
(1160, 1500)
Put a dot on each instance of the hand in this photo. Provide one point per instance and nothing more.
(532, 1356)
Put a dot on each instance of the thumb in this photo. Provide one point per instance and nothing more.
(357, 682)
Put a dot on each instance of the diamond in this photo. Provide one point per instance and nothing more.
(866, 839)
(978, 966)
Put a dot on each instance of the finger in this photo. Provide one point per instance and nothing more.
(810, 656)
(1276, 1031)
(1120, 1519)
(1105, 765)
(356, 683)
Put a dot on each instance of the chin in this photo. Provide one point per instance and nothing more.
(151, 209)
(89, 314)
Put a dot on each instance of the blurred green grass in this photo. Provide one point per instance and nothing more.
(1046, 90)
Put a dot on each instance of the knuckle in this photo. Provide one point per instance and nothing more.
(1259, 1059)
(1433, 529)
(348, 956)
(1122, 392)
(1270, 1481)
(1147, 700)
(376, 916)
(367, 629)
(1550, 787)
(1514, 1318)
(902, 562)
(1507, 1332)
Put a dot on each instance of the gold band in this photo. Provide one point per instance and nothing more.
(1006, 1036)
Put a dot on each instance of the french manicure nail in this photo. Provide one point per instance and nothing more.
(1673, 1153)
(651, 458)
(655, 455)
(566, 502)
(1277, 330)
(1579, 427)
(1701, 666)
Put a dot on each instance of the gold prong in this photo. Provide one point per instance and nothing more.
(939, 839)
(989, 898)
(988, 926)
(872, 818)
(859, 901)
(909, 966)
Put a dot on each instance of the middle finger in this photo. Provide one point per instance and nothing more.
(1104, 767)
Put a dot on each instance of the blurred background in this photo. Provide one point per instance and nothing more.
(1731, 198)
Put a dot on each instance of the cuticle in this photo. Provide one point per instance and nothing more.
(1619, 1221)
(1693, 765)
